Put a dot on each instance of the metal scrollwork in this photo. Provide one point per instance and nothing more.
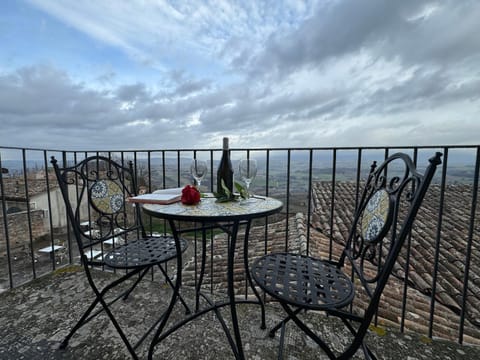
(385, 200)
(101, 189)
(357, 247)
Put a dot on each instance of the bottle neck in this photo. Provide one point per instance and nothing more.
(225, 157)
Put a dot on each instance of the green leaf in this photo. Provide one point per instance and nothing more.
(225, 189)
(223, 199)
(242, 190)
(227, 195)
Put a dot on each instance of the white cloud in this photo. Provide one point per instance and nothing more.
(139, 123)
(312, 73)
(168, 31)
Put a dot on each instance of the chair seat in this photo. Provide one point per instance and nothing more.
(144, 252)
(303, 281)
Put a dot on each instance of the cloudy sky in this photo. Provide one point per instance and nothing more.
(153, 74)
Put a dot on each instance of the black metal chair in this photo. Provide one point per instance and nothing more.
(97, 189)
(383, 219)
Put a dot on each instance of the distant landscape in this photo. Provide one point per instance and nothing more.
(461, 167)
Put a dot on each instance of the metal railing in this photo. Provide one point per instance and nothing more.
(35, 238)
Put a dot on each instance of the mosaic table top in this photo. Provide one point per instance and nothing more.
(208, 209)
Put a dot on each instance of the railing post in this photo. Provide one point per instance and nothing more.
(471, 230)
(5, 227)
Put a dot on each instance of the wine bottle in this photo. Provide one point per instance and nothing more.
(225, 173)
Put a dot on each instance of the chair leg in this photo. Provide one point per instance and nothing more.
(79, 324)
(282, 323)
(368, 353)
(86, 317)
(105, 306)
(281, 345)
(357, 343)
(169, 281)
(119, 329)
(307, 331)
(140, 277)
(165, 317)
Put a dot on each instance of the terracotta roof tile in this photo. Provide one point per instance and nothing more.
(451, 257)
(418, 301)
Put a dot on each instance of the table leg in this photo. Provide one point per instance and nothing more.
(231, 292)
(176, 291)
(249, 278)
(202, 267)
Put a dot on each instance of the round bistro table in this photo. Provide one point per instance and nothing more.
(228, 216)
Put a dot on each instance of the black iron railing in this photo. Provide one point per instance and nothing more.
(35, 238)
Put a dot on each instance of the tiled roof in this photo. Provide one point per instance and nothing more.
(417, 308)
(451, 256)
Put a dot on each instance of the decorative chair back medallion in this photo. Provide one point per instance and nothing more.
(106, 196)
(375, 217)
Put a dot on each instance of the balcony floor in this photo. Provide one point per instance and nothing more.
(35, 317)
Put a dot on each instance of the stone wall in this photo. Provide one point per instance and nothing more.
(18, 230)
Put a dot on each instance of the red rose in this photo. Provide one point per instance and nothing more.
(190, 195)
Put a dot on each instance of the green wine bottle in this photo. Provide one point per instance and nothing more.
(225, 173)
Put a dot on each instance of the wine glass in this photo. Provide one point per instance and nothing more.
(248, 171)
(199, 169)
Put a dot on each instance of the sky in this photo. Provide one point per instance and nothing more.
(160, 74)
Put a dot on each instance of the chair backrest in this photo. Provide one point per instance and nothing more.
(95, 192)
(383, 219)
